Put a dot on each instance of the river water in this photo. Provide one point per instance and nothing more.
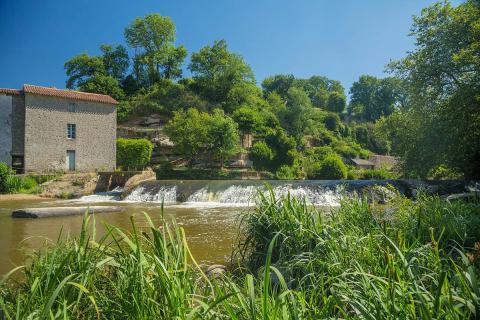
(209, 212)
(210, 231)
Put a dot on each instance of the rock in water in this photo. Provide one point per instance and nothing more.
(215, 271)
(61, 211)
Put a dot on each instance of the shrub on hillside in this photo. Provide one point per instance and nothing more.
(261, 155)
(331, 168)
(332, 121)
(376, 174)
(133, 153)
(286, 173)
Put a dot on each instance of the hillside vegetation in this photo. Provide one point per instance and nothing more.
(426, 113)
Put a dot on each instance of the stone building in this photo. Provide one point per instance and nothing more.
(46, 129)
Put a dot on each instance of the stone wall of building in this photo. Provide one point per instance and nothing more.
(5, 128)
(46, 141)
(18, 124)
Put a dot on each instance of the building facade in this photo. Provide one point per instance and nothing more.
(46, 129)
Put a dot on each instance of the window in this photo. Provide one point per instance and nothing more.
(71, 131)
(71, 107)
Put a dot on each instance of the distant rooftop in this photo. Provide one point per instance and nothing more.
(62, 93)
(362, 162)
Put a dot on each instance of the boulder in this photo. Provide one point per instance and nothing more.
(215, 271)
(61, 211)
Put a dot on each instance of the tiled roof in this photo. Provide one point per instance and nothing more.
(9, 91)
(69, 94)
(362, 162)
(62, 93)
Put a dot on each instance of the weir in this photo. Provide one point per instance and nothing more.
(237, 192)
(244, 192)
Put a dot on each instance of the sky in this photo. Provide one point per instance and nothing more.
(339, 39)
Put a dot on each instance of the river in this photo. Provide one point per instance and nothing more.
(209, 212)
(210, 231)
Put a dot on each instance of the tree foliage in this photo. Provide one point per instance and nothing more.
(443, 78)
(189, 131)
(261, 155)
(223, 137)
(199, 133)
(152, 37)
(217, 71)
(331, 168)
(372, 98)
(336, 102)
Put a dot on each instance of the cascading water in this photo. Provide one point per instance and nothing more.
(114, 195)
(165, 194)
(235, 193)
(246, 194)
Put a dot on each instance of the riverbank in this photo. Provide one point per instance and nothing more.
(20, 197)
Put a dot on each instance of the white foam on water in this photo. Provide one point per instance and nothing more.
(318, 196)
(109, 196)
(233, 196)
(238, 195)
(165, 194)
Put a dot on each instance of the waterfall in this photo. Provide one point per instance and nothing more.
(207, 193)
(114, 195)
(167, 194)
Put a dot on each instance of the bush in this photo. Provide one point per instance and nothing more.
(9, 183)
(376, 174)
(5, 173)
(285, 173)
(442, 172)
(133, 153)
(332, 121)
(352, 175)
(261, 156)
(331, 168)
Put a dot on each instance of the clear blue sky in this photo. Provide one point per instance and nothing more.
(338, 39)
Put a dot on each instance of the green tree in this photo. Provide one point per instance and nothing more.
(217, 71)
(189, 132)
(223, 137)
(115, 61)
(318, 88)
(248, 119)
(81, 67)
(442, 75)
(298, 110)
(279, 84)
(332, 121)
(372, 98)
(152, 37)
(100, 83)
(261, 155)
(284, 149)
(99, 74)
(336, 102)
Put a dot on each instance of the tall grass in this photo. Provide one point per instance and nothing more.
(407, 260)
(147, 274)
(403, 261)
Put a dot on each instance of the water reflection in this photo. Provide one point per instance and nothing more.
(210, 231)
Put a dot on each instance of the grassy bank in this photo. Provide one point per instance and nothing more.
(406, 260)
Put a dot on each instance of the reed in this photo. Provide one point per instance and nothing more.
(402, 261)
(406, 260)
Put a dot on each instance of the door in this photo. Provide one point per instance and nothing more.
(71, 160)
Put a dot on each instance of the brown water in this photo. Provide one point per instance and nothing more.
(210, 231)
